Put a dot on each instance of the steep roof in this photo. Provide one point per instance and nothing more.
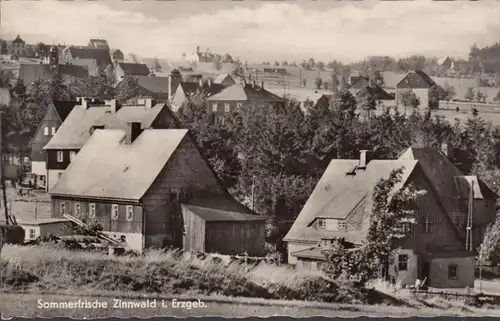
(339, 196)
(358, 82)
(18, 40)
(102, 56)
(234, 92)
(99, 43)
(416, 79)
(378, 92)
(445, 176)
(259, 93)
(157, 85)
(64, 108)
(74, 131)
(217, 215)
(220, 78)
(108, 168)
(134, 69)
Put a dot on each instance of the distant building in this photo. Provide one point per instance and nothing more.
(57, 111)
(238, 95)
(153, 188)
(117, 55)
(434, 248)
(225, 80)
(198, 56)
(44, 227)
(19, 48)
(86, 117)
(101, 56)
(123, 69)
(98, 44)
(418, 82)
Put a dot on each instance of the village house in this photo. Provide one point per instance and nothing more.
(117, 55)
(361, 84)
(434, 249)
(154, 188)
(123, 69)
(44, 227)
(418, 82)
(153, 87)
(19, 48)
(238, 95)
(225, 80)
(57, 111)
(98, 44)
(86, 117)
(101, 56)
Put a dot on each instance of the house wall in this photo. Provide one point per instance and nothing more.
(185, 171)
(228, 81)
(56, 228)
(119, 73)
(409, 276)
(133, 230)
(294, 247)
(465, 271)
(27, 228)
(220, 109)
(52, 177)
(235, 238)
(44, 133)
(307, 264)
(38, 168)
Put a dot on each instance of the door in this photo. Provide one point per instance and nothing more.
(425, 268)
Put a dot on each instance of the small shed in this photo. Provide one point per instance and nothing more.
(212, 230)
(44, 227)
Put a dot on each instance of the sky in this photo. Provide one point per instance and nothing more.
(260, 30)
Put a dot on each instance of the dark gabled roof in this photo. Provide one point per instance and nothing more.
(155, 85)
(416, 79)
(260, 93)
(64, 108)
(18, 40)
(378, 92)
(245, 92)
(74, 70)
(102, 56)
(133, 69)
(212, 89)
(99, 43)
(358, 82)
(189, 87)
(106, 167)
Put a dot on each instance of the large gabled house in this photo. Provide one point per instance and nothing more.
(340, 207)
(361, 85)
(239, 95)
(418, 82)
(57, 112)
(123, 69)
(154, 189)
(88, 116)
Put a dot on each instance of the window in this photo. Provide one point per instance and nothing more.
(53, 131)
(92, 210)
(63, 208)
(321, 223)
(114, 212)
(341, 225)
(427, 225)
(214, 107)
(452, 271)
(403, 262)
(72, 155)
(32, 233)
(46, 131)
(60, 156)
(130, 213)
(226, 108)
(77, 209)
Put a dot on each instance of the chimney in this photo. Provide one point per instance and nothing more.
(169, 84)
(363, 159)
(149, 102)
(85, 103)
(132, 132)
(209, 82)
(113, 104)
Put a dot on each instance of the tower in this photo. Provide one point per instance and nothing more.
(53, 57)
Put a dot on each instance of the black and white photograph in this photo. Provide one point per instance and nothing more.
(249, 158)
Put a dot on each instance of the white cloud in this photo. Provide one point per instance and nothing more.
(270, 31)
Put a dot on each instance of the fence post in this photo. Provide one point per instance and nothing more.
(246, 261)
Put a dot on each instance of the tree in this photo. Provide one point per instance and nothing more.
(497, 97)
(320, 65)
(304, 82)
(409, 99)
(469, 95)
(366, 100)
(5, 78)
(490, 247)
(378, 78)
(480, 97)
(217, 64)
(436, 93)
(276, 63)
(311, 63)
(284, 63)
(304, 64)
(335, 81)
(449, 91)
(3, 47)
(318, 82)
(41, 49)
(227, 59)
(127, 89)
(325, 85)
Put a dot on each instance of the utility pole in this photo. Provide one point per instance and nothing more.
(2, 171)
(253, 193)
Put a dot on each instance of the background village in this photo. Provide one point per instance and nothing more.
(385, 169)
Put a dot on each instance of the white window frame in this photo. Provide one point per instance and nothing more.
(72, 155)
(46, 131)
(227, 107)
(130, 213)
(53, 131)
(405, 262)
(321, 223)
(341, 225)
(92, 210)
(31, 233)
(114, 212)
(63, 208)
(60, 156)
(77, 209)
(215, 107)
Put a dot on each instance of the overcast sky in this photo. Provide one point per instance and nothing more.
(256, 31)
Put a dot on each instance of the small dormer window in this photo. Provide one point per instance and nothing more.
(322, 224)
(341, 225)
